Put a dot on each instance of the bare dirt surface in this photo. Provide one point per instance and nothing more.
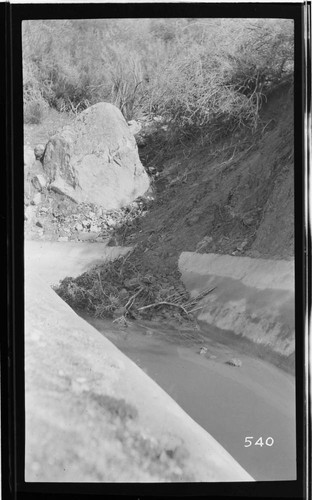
(234, 198)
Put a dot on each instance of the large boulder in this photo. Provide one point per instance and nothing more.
(95, 160)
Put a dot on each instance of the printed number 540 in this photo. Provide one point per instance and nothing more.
(249, 441)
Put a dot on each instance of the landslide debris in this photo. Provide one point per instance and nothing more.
(231, 197)
(52, 216)
(124, 289)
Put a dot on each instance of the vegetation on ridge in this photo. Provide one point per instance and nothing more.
(207, 76)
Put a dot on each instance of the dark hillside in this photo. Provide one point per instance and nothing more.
(235, 198)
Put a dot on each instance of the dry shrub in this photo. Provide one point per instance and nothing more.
(207, 76)
(219, 82)
(35, 105)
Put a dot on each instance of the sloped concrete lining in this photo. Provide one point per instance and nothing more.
(93, 415)
(56, 260)
(252, 297)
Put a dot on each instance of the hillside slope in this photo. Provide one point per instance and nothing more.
(237, 198)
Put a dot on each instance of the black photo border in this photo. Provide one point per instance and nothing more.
(13, 397)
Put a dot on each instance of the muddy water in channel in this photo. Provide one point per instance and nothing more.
(256, 400)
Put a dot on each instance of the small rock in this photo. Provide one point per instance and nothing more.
(29, 157)
(212, 356)
(36, 199)
(86, 223)
(134, 126)
(112, 242)
(39, 150)
(44, 209)
(158, 118)
(110, 222)
(203, 350)
(29, 212)
(91, 215)
(78, 226)
(39, 224)
(234, 362)
(135, 205)
(39, 182)
(63, 238)
(242, 245)
(202, 244)
(95, 229)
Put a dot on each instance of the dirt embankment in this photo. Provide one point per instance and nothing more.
(234, 198)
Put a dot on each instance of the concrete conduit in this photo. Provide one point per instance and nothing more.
(250, 297)
(91, 413)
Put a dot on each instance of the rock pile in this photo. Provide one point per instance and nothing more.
(51, 214)
(56, 217)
